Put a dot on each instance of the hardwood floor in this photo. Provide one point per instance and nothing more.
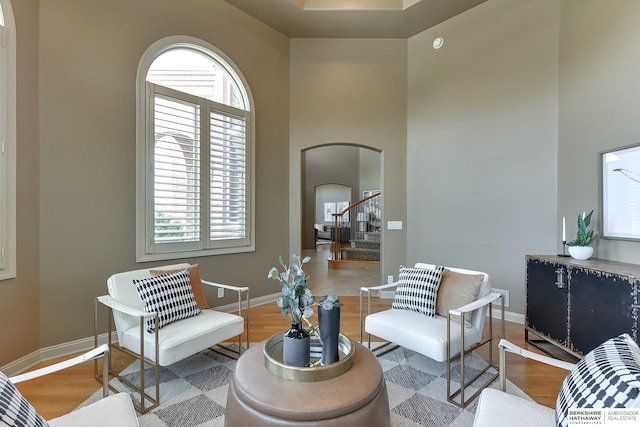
(59, 393)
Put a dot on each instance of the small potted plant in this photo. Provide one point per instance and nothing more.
(580, 247)
(296, 301)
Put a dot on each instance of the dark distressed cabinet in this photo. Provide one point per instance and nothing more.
(575, 305)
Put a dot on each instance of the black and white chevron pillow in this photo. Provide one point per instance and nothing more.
(417, 289)
(607, 377)
(170, 295)
(15, 411)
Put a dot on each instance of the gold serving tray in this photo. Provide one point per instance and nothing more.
(316, 372)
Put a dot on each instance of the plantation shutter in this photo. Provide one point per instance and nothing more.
(195, 156)
(176, 169)
(228, 175)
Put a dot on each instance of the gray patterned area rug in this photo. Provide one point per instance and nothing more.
(193, 392)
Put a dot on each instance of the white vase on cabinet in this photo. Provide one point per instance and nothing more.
(581, 252)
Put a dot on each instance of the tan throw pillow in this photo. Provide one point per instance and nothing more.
(456, 290)
(196, 283)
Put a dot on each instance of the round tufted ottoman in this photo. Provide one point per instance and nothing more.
(356, 398)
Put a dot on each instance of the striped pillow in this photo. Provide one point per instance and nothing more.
(607, 377)
(417, 290)
(170, 295)
(15, 411)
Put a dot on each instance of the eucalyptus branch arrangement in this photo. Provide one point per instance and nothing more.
(296, 300)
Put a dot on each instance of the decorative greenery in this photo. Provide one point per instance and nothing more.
(296, 300)
(584, 237)
(330, 301)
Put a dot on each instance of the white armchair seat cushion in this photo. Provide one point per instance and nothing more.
(426, 335)
(182, 339)
(499, 409)
(114, 410)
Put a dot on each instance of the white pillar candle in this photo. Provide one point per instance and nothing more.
(564, 230)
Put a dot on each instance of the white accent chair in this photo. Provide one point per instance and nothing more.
(437, 338)
(499, 409)
(171, 343)
(111, 411)
(606, 377)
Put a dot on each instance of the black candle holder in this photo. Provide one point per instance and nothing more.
(564, 249)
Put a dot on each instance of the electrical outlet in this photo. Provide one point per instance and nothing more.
(505, 295)
(390, 278)
(220, 292)
(394, 225)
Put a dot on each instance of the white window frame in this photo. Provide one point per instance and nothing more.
(8, 144)
(145, 248)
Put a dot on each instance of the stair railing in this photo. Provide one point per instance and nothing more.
(362, 216)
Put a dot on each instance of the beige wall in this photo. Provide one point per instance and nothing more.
(498, 142)
(482, 141)
(89, 54)
(352, 91)
(19, 303)
(599, 105)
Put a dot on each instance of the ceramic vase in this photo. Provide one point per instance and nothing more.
(296, 348)
(329, 325)
(580, 252)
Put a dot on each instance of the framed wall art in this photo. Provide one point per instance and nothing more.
(620, 193)
(329, 210)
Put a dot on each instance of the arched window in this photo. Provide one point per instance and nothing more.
(195, 151)
(8, 142)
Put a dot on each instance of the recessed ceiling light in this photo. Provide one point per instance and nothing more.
(438, 42)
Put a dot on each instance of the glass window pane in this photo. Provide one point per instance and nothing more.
(192, 72)
(176, 171)
(228, 219)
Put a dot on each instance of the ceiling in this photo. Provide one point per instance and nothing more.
(353, 18)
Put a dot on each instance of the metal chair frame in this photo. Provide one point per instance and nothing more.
(154, 401)
(456, 396)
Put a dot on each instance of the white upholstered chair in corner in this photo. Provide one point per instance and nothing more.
(606, 377)
(170, 343)
(111, 411)
(441, 337)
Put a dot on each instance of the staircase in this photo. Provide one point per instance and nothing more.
(365, 247)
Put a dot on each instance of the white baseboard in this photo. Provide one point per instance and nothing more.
(509, 316)
(86, 344)
(266, 299)
(53, 352)
(386, 294)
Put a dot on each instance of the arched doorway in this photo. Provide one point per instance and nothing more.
(347, 165)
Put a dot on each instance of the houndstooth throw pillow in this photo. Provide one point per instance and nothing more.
(15, 411)
(417, 290)
(607, 377)
(170, 295)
